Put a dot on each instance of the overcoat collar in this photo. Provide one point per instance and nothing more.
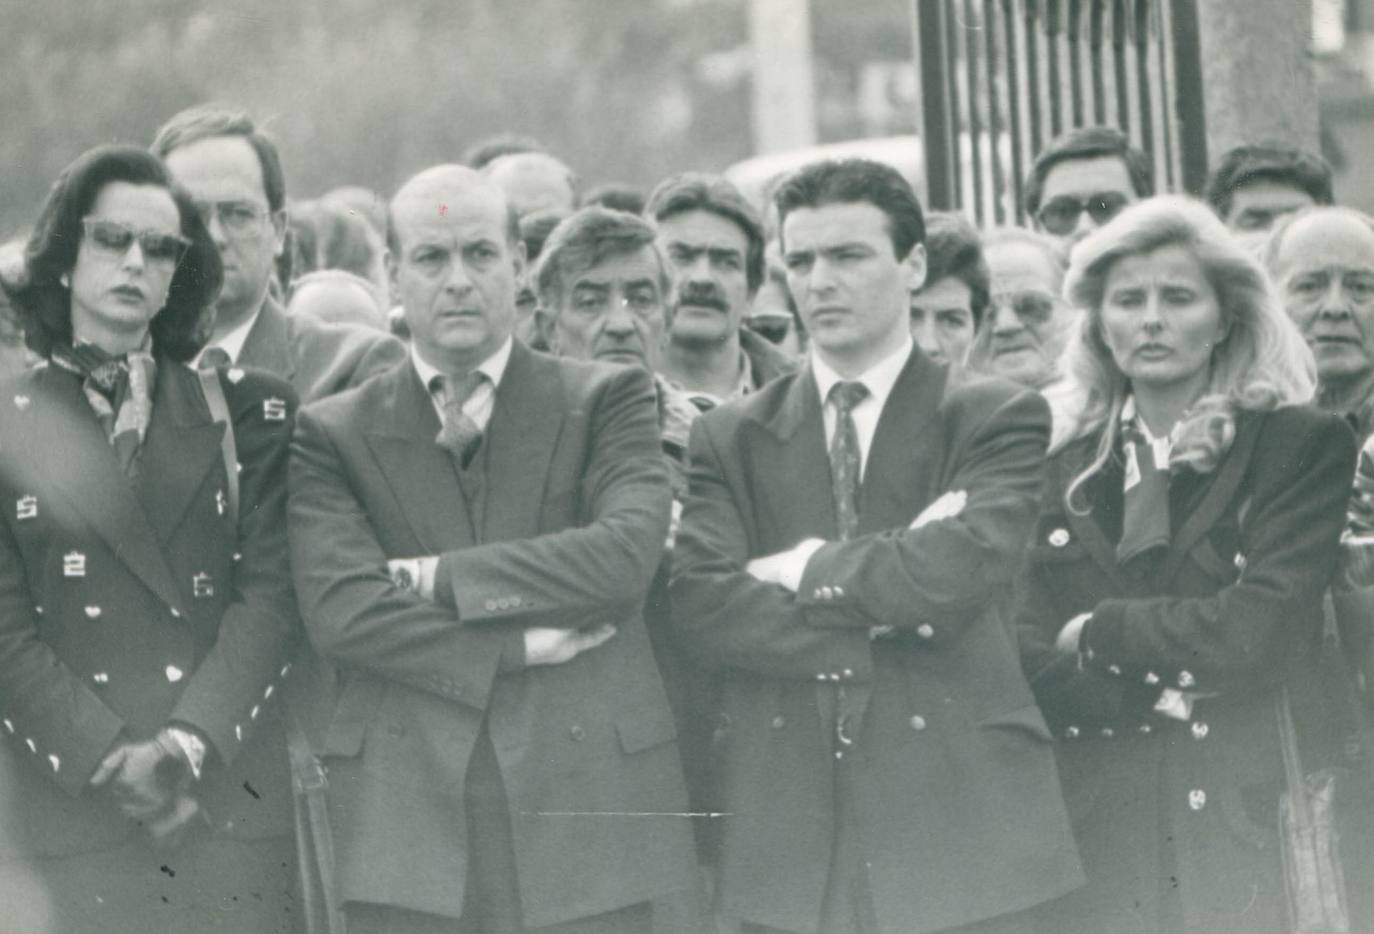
(904, 459)
(517, 446)
(136, 520)
(1203, 502)
(268, 344)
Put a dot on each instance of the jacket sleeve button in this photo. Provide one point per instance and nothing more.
(925, 631)
(918, 723)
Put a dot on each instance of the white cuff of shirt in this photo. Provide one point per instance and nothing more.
(192, 745)
(794, 564)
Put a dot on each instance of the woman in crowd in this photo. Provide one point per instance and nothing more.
(143, 622)
(1174, 583)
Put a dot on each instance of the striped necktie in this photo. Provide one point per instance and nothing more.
(460, 434)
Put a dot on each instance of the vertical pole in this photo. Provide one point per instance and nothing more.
(784, 91)
(940, 136)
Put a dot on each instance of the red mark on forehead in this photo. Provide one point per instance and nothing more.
(443, 209)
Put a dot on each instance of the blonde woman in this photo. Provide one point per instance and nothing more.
(1189, 527)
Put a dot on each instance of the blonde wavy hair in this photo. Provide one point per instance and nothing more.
(1262, 362)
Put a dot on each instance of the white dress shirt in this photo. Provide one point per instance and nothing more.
(478, 405)
(877, 379)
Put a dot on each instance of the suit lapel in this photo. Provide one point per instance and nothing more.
(1086, 526)
(795, 449)
(1217, 495)
(268, 344)
(181, 447)
(520, 437)
(70, 450)
(904, 460)
(421, 474)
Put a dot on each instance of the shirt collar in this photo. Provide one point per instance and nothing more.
(877, 379)
(233, 340)
(494, 366)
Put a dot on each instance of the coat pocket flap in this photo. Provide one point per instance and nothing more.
(357, 704)
(1028, 718)
(645, 730)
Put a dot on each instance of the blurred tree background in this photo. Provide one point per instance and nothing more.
(368, 91)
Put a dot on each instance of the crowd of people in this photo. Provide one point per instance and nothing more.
(496, 556)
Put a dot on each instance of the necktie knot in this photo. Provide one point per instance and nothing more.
(460, 433)
(213, 358)
(846, 394)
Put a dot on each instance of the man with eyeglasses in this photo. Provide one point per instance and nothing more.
(1026, 325)
(1082, 179)
(233, 171)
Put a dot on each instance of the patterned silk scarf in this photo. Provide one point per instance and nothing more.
(120, 391)
(1145, 522)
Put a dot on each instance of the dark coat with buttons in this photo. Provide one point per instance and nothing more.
(1176, 820)
(957, 800)
(128, 604)
(576, 515)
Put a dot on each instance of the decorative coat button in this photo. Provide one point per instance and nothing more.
(1058, 538)
(93, 612)
(779, 723)
(490, 605)
(238, 732)
(577, 733)
(918, 722)
(820, 676)
(1151, 678)
(1145, 728)
(1240, 561)
(253, 714)
(21, 402)
(1186, 679)
(1108, 732)
(1114, 669)
(176, 614)
(848, 673)
(55, 762)
(101, 677)
(9, 726)
(839, 592)
(38, 610)
(26, 507)
(268, 693)
(73, 564)
(285, 670)
(925, 631)
(202, 586)
(1072, 732)
(174, 674)
(274, 410)
(1197, 799)
(33, 747)
(1200, 730)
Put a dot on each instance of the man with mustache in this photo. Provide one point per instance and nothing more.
(713, 241)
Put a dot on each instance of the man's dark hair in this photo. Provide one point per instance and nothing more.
(535, 229)
(587, 238)
(617, 197)
(953, 250)
(491, 148)
(846, 181)
(209, 121)
(700, 191)
(1270, 162)
(1089, 142)
(44, 303)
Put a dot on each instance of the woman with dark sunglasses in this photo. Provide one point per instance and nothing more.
(144, 621)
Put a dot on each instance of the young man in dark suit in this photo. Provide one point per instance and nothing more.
(846, 535)
(473, 534)
(234, 173)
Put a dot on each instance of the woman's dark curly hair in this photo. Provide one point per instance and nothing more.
(44, 303)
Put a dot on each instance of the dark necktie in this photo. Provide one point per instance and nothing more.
(460, 434)
(212, 358)
(845, 460)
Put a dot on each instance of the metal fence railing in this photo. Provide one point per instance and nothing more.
(1001, 78)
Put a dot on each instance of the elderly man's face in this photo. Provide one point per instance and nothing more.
(1026, 325)
(613, 311)
(1258, 204)
(1325, 272)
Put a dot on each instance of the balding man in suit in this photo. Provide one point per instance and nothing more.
(473, 534)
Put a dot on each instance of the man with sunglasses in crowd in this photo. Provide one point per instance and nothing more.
(1082, 179)
(234, 173)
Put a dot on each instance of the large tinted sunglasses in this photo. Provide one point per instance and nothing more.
(1059, 215)
(115, 238)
